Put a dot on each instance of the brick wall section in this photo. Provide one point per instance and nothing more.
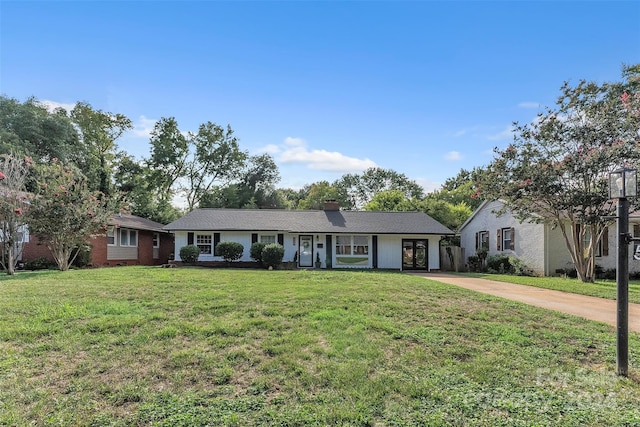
(166, 248)
(145, 251)
(34, 250)
(99, 251)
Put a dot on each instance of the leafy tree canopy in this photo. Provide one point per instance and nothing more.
(64, 213)
(361, 188)
(29, 129)
(556, 169)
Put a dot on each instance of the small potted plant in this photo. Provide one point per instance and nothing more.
(318, 263)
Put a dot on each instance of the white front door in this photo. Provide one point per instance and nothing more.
(305, 251)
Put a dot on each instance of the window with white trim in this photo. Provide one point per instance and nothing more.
(204, 243)
(343, 245)
(128, 237)
(352, 250)
(111, 236)
(156, 240)
(506, 239)
(483, 240)
(360, 245)
(267, 239)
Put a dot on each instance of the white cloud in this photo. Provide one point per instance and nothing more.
(453, 156)
(294, 142)
(529, 104)
(460, 133)
(429, 186)
(505, 134)
(296, 151)
(143, 127)
(52, 105)
(270, 149)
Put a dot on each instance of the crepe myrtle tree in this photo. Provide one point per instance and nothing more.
(14, 203)
(64, 213)
(556, 169)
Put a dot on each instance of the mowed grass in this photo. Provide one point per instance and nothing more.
(600, 288)
(140, 346)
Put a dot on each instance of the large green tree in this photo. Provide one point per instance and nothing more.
(318, 192)
(362, 187)
(215, 158)
(391, 201)
(448, 214)
(167, 162)
(134, 182)
(30, 129)
(65, 213)
(254, 187)
(460, 189)
(556, 169)
(99, 131)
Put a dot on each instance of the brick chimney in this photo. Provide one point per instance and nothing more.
(331, 205)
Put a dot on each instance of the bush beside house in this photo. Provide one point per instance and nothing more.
(272, 255)
(189, 254)
(230, 251)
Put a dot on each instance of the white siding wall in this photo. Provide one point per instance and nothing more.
(180, 240)
(529, 237)
(244, 238)
(557, 253)
(390, 250)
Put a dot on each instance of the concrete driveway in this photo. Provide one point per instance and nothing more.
(592, 308)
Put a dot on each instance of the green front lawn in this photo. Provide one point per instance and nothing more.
(601, 288)
(134, 346)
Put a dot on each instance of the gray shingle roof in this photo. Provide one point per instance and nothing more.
(136, 223)
(308, 221)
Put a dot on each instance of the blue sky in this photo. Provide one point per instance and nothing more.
(326, 87)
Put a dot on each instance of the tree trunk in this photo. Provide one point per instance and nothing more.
(584, 268)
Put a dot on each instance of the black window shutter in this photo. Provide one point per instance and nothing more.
(189, 238)
(605, 242)
(499, 239)
(254, 237)
(477, 240)
(216, 240)
(374, 251)
(281, 239)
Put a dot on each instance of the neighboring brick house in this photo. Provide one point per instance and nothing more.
(130, 240)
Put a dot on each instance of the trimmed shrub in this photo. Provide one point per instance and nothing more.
(474, 263)
(272, 255)
(499, 264)
(41, 263)
(230, 251)
(256, 251)
(189, 254)
(519, 268)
